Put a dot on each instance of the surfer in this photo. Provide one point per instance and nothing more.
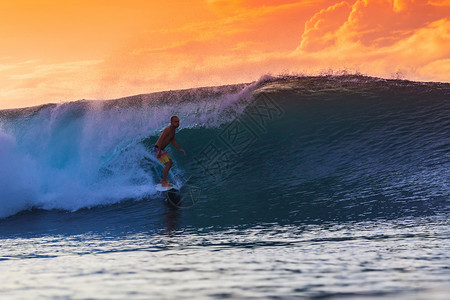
(167, 136)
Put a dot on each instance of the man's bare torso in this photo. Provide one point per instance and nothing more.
(166, 137)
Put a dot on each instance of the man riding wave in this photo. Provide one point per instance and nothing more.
(166, 137)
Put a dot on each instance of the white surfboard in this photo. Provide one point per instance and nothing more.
(161, 188)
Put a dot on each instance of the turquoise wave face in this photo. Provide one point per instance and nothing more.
(366, 150)
(282, 149)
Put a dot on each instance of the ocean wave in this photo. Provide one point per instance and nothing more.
(328, 144)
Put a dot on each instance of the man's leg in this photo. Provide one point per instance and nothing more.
(167, 167)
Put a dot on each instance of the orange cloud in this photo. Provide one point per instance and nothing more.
(319, 30)
(383, 22)
(411, 46)
(400, 5)
(371, 22)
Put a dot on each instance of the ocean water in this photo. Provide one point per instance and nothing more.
(292, 187)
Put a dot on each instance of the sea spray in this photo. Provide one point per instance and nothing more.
(17, 179)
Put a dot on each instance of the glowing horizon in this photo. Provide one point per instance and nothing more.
(57, 51)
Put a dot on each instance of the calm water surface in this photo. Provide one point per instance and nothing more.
(402, 259)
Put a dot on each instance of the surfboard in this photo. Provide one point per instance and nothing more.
(161, 188)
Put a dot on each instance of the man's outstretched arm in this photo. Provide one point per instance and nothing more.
(174, 143)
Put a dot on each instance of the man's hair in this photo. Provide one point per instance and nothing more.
(173, 117)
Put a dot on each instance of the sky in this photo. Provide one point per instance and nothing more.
(56, 51)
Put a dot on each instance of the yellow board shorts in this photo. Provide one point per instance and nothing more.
(165, 157)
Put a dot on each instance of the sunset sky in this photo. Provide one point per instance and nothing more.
(57, 51)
